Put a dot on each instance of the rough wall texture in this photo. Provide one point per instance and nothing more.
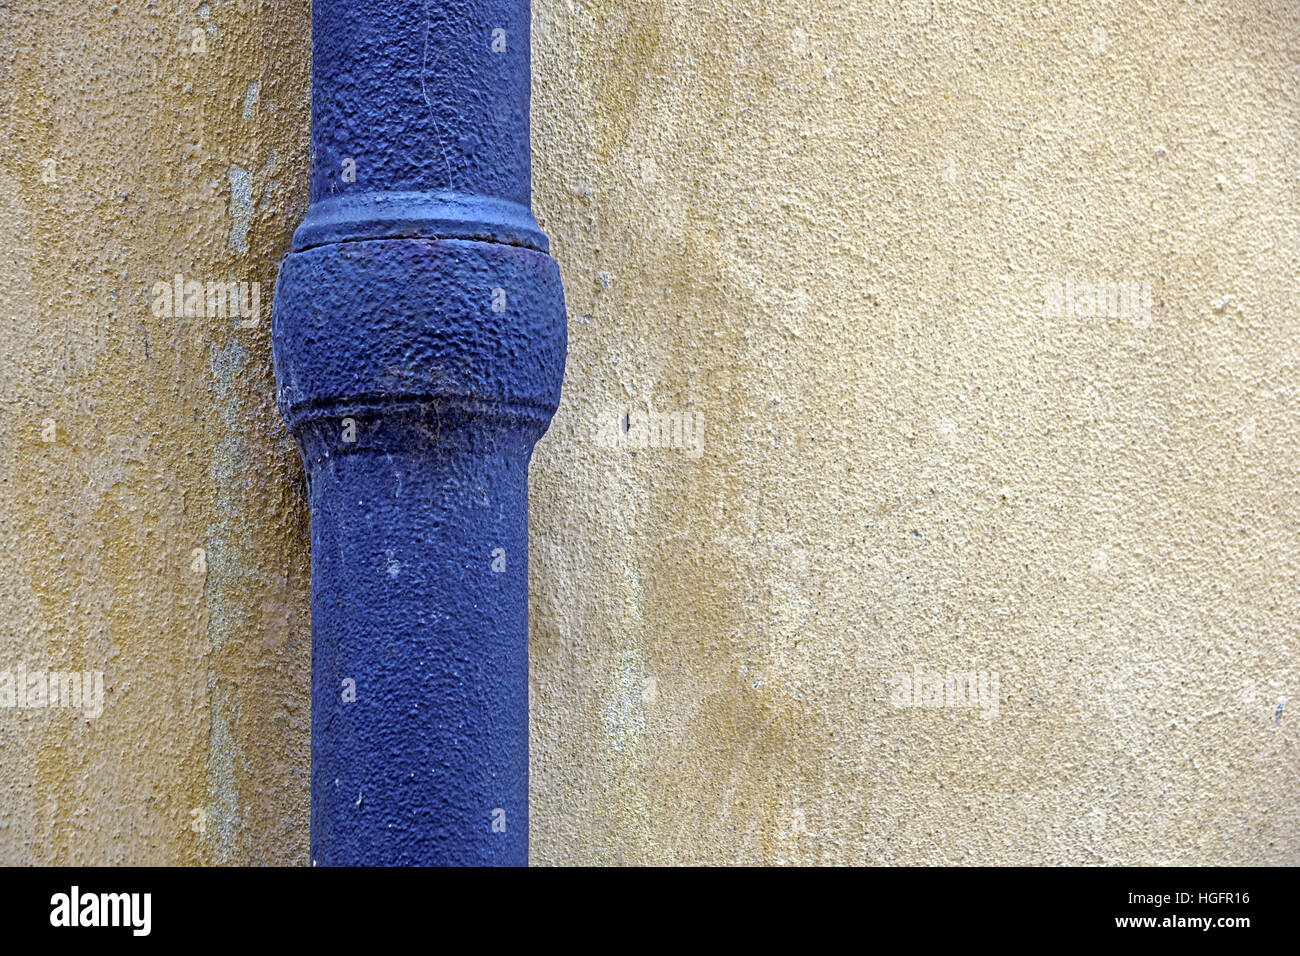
(827, 228)
(152, 515)
(938, 554)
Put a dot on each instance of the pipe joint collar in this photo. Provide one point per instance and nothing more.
(424, 215)
(430, 335)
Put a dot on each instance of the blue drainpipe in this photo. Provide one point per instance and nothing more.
(419, 339)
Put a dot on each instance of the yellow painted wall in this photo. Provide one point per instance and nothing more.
(824, 234)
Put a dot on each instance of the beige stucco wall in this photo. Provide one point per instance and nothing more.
(823, 233)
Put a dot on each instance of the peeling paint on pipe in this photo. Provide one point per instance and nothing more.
(419, 339)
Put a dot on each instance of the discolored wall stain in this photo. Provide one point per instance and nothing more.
(161, 536)
(621, 61)
(829, 232)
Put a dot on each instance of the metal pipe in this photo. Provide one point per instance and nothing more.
(419, 341)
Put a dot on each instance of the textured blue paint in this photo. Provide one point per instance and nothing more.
(420, 316)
